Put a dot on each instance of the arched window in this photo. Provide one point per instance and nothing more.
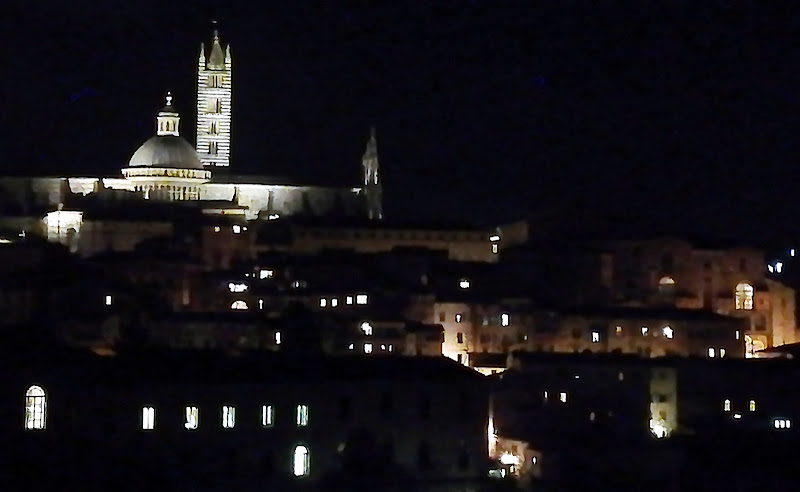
(301, 462)
(35, 408)
(239, 305)
(744, 296)
(666, 286)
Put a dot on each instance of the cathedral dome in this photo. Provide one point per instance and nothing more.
(166, 151)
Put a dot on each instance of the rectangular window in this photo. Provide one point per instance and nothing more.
(460, 337)
(361, 299)
(504, 319)
(213, 128)
(323, 302)
(494, 248)
(458, 318)
(618, 330)
(562, 397)
(334, 302)
(442, 317)
(302, 415)
(148, 418)
(349, 300)
(266, 274)
(711, 352)
(212, 148)
(228, 416)
(752, 405)
(367, 348)
(108, 300)
(267, 416)
(192, 418)
(218, 106)
(645, 330)
(595, 336)
(277, 338)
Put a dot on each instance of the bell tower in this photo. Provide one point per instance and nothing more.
(214, 89)
(373, 190)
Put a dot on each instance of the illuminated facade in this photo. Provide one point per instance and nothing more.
(214, 91)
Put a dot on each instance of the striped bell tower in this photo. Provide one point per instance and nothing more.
(214, 87)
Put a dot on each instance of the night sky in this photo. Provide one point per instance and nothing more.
(653, 117)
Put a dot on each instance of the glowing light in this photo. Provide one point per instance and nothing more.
(494, 238)
(509, 459)
(391, 347)
(237, 229)
(267, 416)
(645, 330)
(237, 287)
(239, 305)
(463, 283)
(192, 418)
(791, 252)
(228, 416)
(367, 348)
(35, 408)
(334, 302)
(277, 338)
(504, 319)
(366, 328)
(658, 429)
(722, 353)
(668, 332)
(108, 299)
(265, 274)
(618, 330)
(666, 281)
(361, 299)
(595, 336)
(352, 346)
(301, 461)
(148, 418)
(778, 267)
(273, 216)
(770, 269)
(752, 405)
(302, 415)
(737, 416)
(711, 352)
(349, 300)
(726, 406)
(323, 302)
(562, 397)
(495, 249)
(737, 334)
(458, 318)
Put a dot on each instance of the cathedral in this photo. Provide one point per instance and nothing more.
(168, 169)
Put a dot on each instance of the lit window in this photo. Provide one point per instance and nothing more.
(239, 305)
(458, 318)
(301, 463)
(192, 418)
(668, 332)
(277, 338)
(216, 228)
(737, 334)
(267, 416)
(35, 408)
(791, 252)
(711, 352)
(352, 346)
(494, 248)
(504, 319)
(752, 405)
(463, 283)
(228, 416)
(726, 405)
(545, 395)
(645, 330)
(666, 281)
(366, 328)
(261, 304)
(334, 302)
(737, 416)
(265, 274)
(361, 299)
(618, 330)
(595, 336)
(562, 397)
(302, 415)
(770, 269)
(237, 287)
(383, 347)
(367, 348)
(108, 299)
(391, 347)
(782, 423)
(237, 229)
(778, 267)
(323, 302)
(721, 353)
(494, 238)
(744, 296)
(349, 300)
(273, 217)
(148, 418)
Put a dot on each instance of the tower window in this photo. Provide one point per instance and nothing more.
(228, 416)
(302, 415)
(192, 418)
(726, 405)
(35, 408)
(217, 106)
(148, 418)
(213, 128)
(212, 148)
(267, 416)
(301, 461)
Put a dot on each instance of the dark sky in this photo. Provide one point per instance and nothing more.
(653, 116)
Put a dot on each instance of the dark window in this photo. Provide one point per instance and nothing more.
(442, 317)
(460, 337)
(424, 406)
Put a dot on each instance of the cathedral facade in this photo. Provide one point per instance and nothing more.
(167, 168)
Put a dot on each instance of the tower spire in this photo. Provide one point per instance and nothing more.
(373, 191)
(168, 119)
(214, 91)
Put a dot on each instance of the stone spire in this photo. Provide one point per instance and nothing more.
(168, 119)
(373, 191)
(216, 60)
